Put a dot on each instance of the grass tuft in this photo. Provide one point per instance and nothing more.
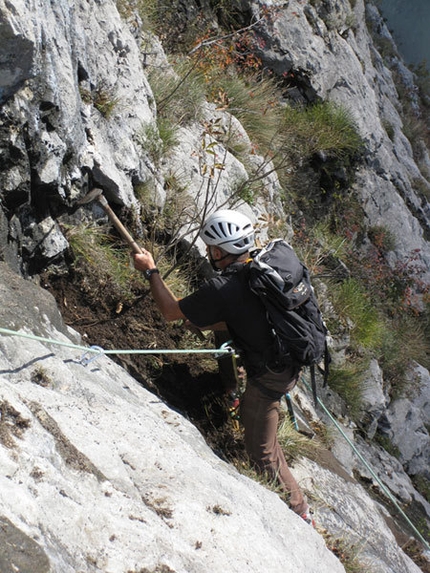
(348, 381)
(354, 307)
(108, 260)
(405, 342)
(295, 444)
(254, 101)
(179, 94)
(322, 128)
(348, 553)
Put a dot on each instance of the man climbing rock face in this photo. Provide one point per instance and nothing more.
(226, 303)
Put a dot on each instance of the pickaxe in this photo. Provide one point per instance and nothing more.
(97, 195)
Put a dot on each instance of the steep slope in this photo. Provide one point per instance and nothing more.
(100, 475)
(77, 109)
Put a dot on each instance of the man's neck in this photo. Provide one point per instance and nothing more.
(227, 262)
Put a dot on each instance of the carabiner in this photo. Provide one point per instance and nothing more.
(85, 360)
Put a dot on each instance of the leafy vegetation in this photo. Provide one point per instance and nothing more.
(349, 554)
(157, 140)
(179, 92)
(406, 340)
(347, 380)
(353, 306)
(103, 97)
(254, 101)
(322, 128)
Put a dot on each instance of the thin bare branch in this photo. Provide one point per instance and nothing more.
(216, 39)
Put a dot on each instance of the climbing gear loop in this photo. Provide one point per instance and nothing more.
(225, 349)
(85, 358)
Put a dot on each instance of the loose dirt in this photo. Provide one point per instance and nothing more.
(188, 383)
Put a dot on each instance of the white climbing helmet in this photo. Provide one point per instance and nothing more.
(229, 230)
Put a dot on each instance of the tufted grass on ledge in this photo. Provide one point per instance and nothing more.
(104, 256)
(322, 128)
(179, 93)
(353, 306)
(296, 444)
(348, 381)
(254, 101)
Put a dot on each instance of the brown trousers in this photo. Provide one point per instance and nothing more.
(259, 412)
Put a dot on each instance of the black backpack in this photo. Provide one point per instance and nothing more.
(283, 284)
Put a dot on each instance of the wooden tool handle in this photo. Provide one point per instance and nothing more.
(118, 225)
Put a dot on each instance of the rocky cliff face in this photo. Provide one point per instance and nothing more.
(329, 44)
(97, 474)
(66, 65)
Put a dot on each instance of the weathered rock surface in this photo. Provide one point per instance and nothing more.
(374, 401)
(408, 421)
(97, 474)
(329, 44)
(350, 514)
(70, 68)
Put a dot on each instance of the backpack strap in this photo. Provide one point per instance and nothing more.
(314, 384)
(235, 267)
(325, 372)
(327, 360)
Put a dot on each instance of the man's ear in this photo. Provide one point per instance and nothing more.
(217, 253)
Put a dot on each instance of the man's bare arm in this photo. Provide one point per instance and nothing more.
(165, 300)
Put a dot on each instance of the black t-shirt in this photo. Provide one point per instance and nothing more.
(228, 298)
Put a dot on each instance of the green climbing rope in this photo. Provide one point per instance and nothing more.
(100, 351)
(381, 485)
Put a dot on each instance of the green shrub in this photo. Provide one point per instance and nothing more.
(383, 239)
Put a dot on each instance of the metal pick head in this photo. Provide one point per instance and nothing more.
(91, 196)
